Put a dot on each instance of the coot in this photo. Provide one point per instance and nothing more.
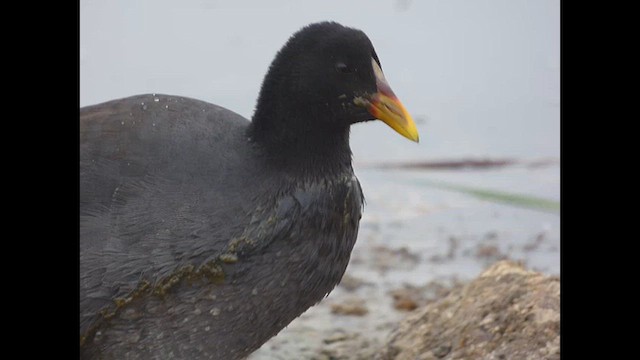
(203, 234)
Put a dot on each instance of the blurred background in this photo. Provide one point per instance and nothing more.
(481, 78)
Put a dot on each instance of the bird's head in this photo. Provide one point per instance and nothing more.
(328, 76)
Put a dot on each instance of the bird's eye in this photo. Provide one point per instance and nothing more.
(343, 68)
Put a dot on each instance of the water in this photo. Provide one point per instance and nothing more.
(481, 78)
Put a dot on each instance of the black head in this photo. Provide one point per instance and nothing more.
(325, 78)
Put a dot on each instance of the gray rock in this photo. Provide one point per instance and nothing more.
(508, 312)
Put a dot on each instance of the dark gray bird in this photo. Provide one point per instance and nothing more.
(203, 234)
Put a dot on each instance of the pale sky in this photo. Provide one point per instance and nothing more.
(482, 78)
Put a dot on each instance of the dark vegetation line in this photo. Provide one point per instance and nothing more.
(507, 198)
(450, 164)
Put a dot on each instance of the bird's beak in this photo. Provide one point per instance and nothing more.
(384, 105)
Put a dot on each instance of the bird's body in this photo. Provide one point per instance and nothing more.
(203, 234)
(180, 238)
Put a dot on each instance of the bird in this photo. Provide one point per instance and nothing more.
(203, 233)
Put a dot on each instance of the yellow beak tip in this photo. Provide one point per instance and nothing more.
(413, 137)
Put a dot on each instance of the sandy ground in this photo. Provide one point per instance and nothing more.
(415, 242)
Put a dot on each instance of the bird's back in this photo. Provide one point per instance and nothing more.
(150, 188)
(191, 246)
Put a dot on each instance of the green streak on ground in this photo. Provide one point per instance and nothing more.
(526, 201)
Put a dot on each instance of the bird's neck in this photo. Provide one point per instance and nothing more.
(321, 151)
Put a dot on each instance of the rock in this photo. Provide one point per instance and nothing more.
(336, 337)
(385, 258)
(404, 301)
(352, 348)
(409, 297)
(352, 306)
(352, 283)
(506, 313)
